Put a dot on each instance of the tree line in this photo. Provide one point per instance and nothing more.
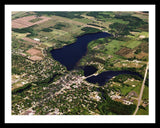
(108, 105)
(63, 14)
(26, 30)
(119, 29)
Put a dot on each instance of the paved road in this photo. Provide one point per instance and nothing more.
(141, 92)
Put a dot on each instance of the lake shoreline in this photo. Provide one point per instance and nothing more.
(70, 55)
(105, 76)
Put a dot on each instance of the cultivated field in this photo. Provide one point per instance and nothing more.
(25, 21)
(30, 40)
(36, 54)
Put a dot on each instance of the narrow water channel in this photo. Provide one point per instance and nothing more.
(103, 77)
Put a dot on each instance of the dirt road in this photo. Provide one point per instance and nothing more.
(141, 92)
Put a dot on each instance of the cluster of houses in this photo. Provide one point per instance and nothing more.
(68, 81)
(94, 95)
(116, 96)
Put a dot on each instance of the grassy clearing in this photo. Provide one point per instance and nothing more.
(55, 34)
(35, 20)
(17, 14)
(107, 48)
(60, 35)
(112, 47)
(127, 87)
(132, 43)
(133, 82)
(74, 30)
(47, 24)
(116, 20)
(136, 35)
(146, 34)
(141, 16)
(48, 44)
(145, 93)
(137, 89)
(143, 111)
(125, 90)
(19, 35)
(128, 64)
(84, 20)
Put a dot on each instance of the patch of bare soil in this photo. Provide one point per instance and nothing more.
(24, 22)
(35, 58)
(126, 52)
(30, 40)
(141, 55)
(34, 51)
(36, 54)
(129, 53)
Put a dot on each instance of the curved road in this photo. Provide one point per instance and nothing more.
(141, 92)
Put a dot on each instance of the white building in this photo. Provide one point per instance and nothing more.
(36, 39)
(127, 102)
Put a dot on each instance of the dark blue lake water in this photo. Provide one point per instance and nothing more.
(71, 54)
(103, 77)
(89, 70)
